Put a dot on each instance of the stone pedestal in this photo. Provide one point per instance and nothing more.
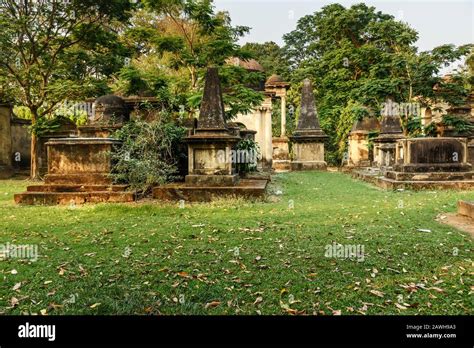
(80, 160)
(6, 168)
(308, 154)
(208, 158)
(281, 153)
(385, 143)
(384, 151)
(78, 172)
(308, 139)
(359, 154)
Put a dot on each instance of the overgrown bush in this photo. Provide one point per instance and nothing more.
(149, 153)
(252, 153)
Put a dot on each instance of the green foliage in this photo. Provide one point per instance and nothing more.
(270, 56)
(372, 135)
(459, 124)
(251, 148)
(173, 43)
(44, 126)
(414, 128)
(369, 57)
(148, 154)
(238, 96)
(56, 52)
(431, 130)
(22, 112)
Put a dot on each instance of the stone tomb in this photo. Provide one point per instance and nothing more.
(426, 163)
(359, 154)
(281, 148)
(308, 139)
(211, 172)
(79, 170)
(385, 144)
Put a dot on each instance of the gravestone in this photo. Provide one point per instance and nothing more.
(390, 132)
(79, 168)
(212, 173)
(359, 153)
(211, 138)
(308, 139)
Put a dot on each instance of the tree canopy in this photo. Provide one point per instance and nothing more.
(357, 57)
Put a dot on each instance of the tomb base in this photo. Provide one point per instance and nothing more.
(308, 154)
(212, 180)
(78, 172)
(281, 154)
(414, 183)
(308, 165)
(246, 188)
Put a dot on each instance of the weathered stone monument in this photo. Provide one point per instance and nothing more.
(426, 163)
(211, 138)
(390, 132)
(308, 139)
(79, 168)
(280, 144)
(358, 152)
(212, 170)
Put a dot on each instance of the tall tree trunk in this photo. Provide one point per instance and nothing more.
(34, 171)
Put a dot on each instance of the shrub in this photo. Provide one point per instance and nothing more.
(149, 153)
(253, 150)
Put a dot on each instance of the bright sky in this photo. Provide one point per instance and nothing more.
(437, 21)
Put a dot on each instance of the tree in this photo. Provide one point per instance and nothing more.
(270, 56)
(53, 50)
(368, 57)
(173, 42)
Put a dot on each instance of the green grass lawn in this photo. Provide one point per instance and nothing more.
(236, 257)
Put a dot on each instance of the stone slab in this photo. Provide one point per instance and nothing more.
(212, 180)
(64, 198)
(308, 165)
(282, 165)
(76, 188)
(78, 179)
(437, 176)
(250, 189)
(390, 184)
(466, 208)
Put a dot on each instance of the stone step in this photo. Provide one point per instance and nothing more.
(391, 184)
(466, 209)
(78, 179)
(246, 188)
(76, 188)
(424, 185)
(437, 176)
(54, 198)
